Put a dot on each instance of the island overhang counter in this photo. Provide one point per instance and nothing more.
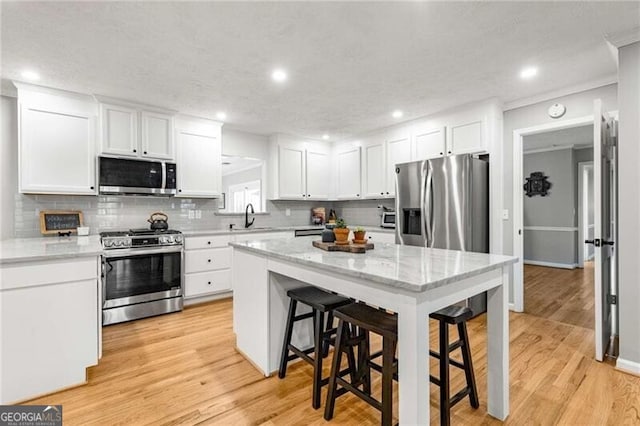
(411, 281)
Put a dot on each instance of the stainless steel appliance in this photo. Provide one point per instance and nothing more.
(444, 203)
(120, 176)
(141, 274)
(388, 219)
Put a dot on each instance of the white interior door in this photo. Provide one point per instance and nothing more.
(604, 230)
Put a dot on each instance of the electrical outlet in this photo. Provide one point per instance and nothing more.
(192, 214)
(287, 212)
(198, 214)
(505, 214)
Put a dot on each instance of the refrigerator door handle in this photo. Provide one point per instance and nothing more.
(426, 204)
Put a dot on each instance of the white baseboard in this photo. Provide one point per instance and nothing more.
(512, 307)
(628, 366)
(551, 264)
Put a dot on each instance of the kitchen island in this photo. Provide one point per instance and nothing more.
(412, 281)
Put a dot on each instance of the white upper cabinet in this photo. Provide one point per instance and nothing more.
(131, 131)
(291, 172)
(398, 151)
(428, 142)
(157, 135)
(374, 162)
(119, 130)
(300, 169)
(348, 173)
(318, 163)
(56, 144)
(199, 157)
(466, 137)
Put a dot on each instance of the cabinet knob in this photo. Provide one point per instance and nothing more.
(179, 190)
(387, 192)
(209, 242)
(308, 195)
(303, 195)
(209, 282)
(209, 260)
(92, 187)
(449, 152)
(144, 152)
(441, 153)
(357, 195)
(135, 150)
(382, 193)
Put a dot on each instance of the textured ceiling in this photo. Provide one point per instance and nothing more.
(577, 136)
(349, 64)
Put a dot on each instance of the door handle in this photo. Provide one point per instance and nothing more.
(599, 243)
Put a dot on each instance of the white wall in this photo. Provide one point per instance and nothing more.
(8, 164)
(243, 144)
(629, 206)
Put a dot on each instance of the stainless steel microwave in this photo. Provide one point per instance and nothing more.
(388, 220)
(120, 176)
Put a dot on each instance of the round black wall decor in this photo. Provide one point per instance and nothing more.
(537, 184)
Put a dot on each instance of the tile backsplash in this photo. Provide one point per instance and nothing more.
(104, 213)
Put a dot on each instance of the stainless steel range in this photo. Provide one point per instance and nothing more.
(141, 274)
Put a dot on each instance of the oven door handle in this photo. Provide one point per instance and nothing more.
(140, 252)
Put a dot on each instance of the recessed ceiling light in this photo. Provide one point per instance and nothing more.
(397, 114)
(279, 75)
(528, 72)
(325, 137)
(30, 75)
(221, 115)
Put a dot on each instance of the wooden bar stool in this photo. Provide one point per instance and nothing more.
(457, 315)
(364, 319)
(321, 302)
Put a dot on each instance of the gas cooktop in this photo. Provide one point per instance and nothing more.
(138, 231)
(143, 237)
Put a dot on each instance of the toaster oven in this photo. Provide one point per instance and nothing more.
(388, 220)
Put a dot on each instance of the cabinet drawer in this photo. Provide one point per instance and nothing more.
(207, 282)
(191, 243)
(35, 273)
(207, 260)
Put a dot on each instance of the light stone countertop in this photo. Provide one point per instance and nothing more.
(199, 233)
(48, 248)
(44, 248)
(412, 268)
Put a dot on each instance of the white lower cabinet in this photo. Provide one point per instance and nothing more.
(49, 326)
(207, 263)
(207, 260)
(203, 283)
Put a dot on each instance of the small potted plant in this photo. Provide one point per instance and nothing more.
(358, 235)
(341, 232)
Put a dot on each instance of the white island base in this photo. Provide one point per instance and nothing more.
(263, 272)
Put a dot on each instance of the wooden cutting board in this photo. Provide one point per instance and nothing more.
(349, 248)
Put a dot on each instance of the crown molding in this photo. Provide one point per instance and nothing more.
(623, 38)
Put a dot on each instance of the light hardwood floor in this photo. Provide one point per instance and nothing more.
(182, 369)
(565, 295)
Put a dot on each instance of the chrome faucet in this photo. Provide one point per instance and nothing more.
(246, 216)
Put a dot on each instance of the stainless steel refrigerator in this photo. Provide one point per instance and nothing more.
(444, 203)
